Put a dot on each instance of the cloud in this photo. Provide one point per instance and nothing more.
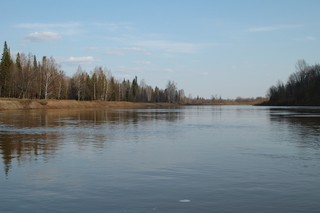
(169, 46)
(43, 36)
(121, 51)
(44, 26)
(153, 46)
(112, 26)
(306, 39)
(272, 28)
(134, 70)
(143, 62)
(82, 59)
(310, 38)
(72, 28)
(67, 28)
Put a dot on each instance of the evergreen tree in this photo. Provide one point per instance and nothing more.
(134, 89)
(5, 64)
(18, 62)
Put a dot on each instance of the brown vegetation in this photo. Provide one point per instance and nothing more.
(17, 104)
(14, 104)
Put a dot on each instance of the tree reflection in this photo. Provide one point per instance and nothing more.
(302, 122)
(37, 134)
(116, 116)
(24, 147)
(24, 136)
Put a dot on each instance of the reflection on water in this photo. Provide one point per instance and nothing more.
(303, 122)
(34, 134)
(189, 159)
(26, 147)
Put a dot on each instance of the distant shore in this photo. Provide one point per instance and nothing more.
(17, 104)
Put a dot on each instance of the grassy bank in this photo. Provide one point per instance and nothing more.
(14, 104)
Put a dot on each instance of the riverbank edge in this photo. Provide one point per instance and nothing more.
(286, 104)
(20, 104)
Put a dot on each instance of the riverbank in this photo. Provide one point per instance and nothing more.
(16, 104)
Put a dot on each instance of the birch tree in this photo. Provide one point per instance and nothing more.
(50, 74)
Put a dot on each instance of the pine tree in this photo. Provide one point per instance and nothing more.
(134, 89)
(5, 64)
(18, 62)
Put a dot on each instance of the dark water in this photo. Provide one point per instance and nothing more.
(193, 159)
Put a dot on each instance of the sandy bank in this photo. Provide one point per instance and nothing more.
(14, 104)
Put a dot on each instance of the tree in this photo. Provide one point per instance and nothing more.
(134, 89)
(149, 92)
(27, 76)
(15, 77)
(61, 87)
(301, 65)
(78, 81)
(5, 64)
(37, 79)
(302, 88)
(171, 91)
(182, 97)
(156, 94)
(18, 61)
(94, 80)
(50, 73)
(113, 88)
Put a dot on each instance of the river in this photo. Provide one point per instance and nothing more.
(187, 159)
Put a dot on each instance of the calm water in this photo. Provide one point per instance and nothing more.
(192, 159)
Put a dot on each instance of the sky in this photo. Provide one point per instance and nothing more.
(226, 48)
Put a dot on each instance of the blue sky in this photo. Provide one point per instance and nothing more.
(208, 47)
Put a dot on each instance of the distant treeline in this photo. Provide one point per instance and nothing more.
(220, 101)
(23, 76)
(302, 87)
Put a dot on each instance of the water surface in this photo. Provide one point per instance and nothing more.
(189, 159)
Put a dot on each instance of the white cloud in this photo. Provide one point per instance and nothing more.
(73, 28)
(306, 39)
(67, 28)
(121, 51)
(144, 62)
(153, 46)
(169, 46)
(272, 28)
(82, 59)
(310, 38)
(43, 36)
(113, 26)
(44, 26)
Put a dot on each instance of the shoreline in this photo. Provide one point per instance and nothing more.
(24, 104)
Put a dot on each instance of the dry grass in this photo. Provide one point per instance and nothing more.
(13, 104)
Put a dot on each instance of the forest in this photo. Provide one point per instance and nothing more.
(24, 76)
(302, 87)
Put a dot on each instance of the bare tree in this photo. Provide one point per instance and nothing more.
(171, 91)
(182, 96)
(27, 75)
(149, 92)
(78, 81)
(51, 73)
(301, 65)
